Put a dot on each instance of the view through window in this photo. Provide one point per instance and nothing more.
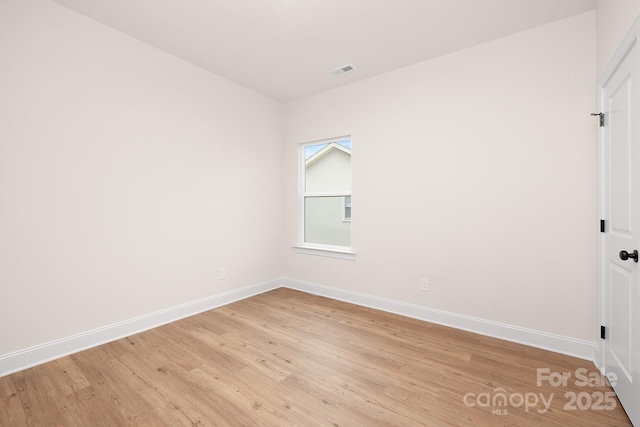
(326, 198)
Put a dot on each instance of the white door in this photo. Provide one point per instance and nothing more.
(620, 207)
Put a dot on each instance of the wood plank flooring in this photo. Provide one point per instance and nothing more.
(286, 358)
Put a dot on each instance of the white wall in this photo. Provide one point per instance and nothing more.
(614, 18)
(494, 161)
(127, 178)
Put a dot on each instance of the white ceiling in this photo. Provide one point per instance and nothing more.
(285, 48)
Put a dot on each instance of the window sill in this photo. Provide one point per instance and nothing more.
(330, 253)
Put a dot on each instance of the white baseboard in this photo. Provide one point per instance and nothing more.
(23, 359)
(556, 343)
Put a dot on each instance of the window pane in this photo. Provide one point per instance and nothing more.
(324, 223)
(328, 167)
(347, 207)
(310, 150)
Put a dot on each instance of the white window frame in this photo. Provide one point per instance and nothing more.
(334, 251)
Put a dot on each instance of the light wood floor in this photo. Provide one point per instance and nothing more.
(286, 358)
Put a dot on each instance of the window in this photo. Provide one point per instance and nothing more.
(347, 209)
(325, 195)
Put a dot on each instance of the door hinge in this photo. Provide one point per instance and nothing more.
(602, 332)
(602, 225)
(601, 118)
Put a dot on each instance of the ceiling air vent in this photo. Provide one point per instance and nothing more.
(342, 70)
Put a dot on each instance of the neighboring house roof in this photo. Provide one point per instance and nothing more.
(326, 150)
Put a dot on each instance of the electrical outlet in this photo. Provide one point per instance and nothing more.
(424, 285)
(222, 274)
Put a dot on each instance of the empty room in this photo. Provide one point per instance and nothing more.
(319, 213)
